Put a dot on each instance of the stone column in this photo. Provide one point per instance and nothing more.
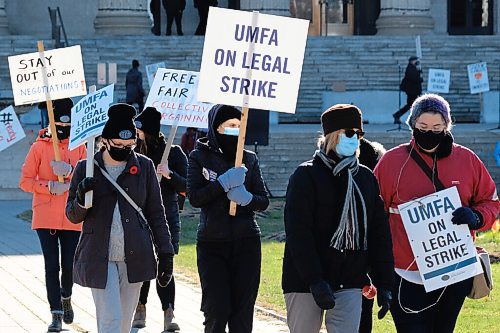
(404, 17)
(122, 17)
(4, 25)
(273, 7)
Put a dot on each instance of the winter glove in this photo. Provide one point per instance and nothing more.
(165, 268)
(57, 188)
(465, 215)
(87, 184)
(61, 168)
(232, 178)
(323, 295)
(384, 299)
(240, 195)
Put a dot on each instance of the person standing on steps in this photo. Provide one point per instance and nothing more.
(411, 85)
(133, 85)
(58, 236)
(203, 7)
(152, 143)
(126, 222)
(174, 9)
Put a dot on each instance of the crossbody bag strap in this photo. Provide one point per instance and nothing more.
(425, 168)
(122, 191)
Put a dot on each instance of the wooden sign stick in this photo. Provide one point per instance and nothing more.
(50, 111)
(239, 151)
(89, 171)
(166, 152)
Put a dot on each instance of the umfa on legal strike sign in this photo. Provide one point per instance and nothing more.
(252, 60)
(64, 76)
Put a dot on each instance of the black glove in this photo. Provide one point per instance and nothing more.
(87, 184)
(384, 299)
(465, 215)
(165, 268)
(323, 295)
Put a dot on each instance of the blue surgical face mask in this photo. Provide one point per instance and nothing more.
(347, 146)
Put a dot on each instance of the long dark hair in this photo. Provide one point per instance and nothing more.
(150, 144)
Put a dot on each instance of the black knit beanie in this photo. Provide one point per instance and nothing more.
(148, 121)
(120, 124)
(224, 112)
(62, 110)
(341, 116)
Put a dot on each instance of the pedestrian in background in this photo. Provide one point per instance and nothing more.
(203, 7)
(411, 85)
(115, 253)
(173, 9)
(133, 85)
(44, 114)
(152, 143)
(402, 179)
(188, 140)
(58, 236)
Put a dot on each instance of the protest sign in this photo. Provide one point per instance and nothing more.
(444, 252)
(89, 115)
(53, 74)
(252, 60)
(173, 93)
(11, 130)
(151, 71)
(478, 78)
(439, 81)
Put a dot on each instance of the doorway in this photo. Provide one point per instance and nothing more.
(470, 17)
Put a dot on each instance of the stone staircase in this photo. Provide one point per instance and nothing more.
(360, 63)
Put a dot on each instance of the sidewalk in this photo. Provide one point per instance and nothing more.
(23, 304)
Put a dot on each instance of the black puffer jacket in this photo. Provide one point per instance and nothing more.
(414, 80)
(314, 202)
(206, 163)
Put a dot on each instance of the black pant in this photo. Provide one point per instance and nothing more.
(230, 277)
(409, 101)
(155, 7)
(49, 241)
(203, 14)
(173, 14)
(166, 294)
(440, 318)
(365, 324)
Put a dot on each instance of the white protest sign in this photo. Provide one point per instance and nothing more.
(418, 47)
(439, 81)
(173, 93)
(478, 78)
(252, 60)
(444, 252)
(64, 75)
(151, 71)
(11, 130)
(89, 115)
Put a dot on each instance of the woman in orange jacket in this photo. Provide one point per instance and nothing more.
(39, 175)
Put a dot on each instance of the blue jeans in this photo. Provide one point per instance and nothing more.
(44, 118)
(49, 241)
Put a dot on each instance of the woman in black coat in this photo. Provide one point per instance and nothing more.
(152, 144)
(115, 252)
(336, 231)
(228, 247)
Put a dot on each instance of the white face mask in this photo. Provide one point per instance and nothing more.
(233, 131)
(347, 146)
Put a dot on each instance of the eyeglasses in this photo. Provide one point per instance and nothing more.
(350, 133)
(434, 130)
(131, 147)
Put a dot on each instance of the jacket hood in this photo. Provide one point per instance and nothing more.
(43, 135)
(211, 137)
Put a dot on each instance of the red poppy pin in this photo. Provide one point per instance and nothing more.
(133, 170)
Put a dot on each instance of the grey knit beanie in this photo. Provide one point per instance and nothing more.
(429, 103)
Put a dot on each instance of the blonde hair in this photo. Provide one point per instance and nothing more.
(329, 142)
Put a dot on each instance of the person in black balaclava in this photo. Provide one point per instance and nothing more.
(228, 247)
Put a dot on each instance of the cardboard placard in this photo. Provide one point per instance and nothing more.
(439, 81)
(478, 78)
(11, 130)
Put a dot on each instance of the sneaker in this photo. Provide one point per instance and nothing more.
(56, 325)
(68, 310)
(140, 316)
(169, 324)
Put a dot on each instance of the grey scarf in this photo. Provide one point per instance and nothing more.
(347, 235)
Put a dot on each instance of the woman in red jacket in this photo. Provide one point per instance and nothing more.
(401, 179)
(39, 176)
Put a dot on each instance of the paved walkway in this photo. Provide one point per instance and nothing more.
(23, 303)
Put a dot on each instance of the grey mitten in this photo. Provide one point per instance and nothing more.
(232, 178)
(61, 168)
(57, 188)
(240, 195)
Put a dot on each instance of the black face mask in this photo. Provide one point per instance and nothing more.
(228, 145)
(428, 140)
(63, 132)
(119, 154)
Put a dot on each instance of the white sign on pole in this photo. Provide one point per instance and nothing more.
(439, 81)
(478, 78)
(89, 115)
(151, 71)
(101, 73)
(64, 70)
(112, 73)
(418, 47)
(173, 93)
(252, 60)
(444, 252)
(11, 130)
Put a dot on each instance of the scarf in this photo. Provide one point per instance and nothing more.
(347, 235)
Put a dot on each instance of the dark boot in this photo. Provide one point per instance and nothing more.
(56, 325)
(68, 310)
